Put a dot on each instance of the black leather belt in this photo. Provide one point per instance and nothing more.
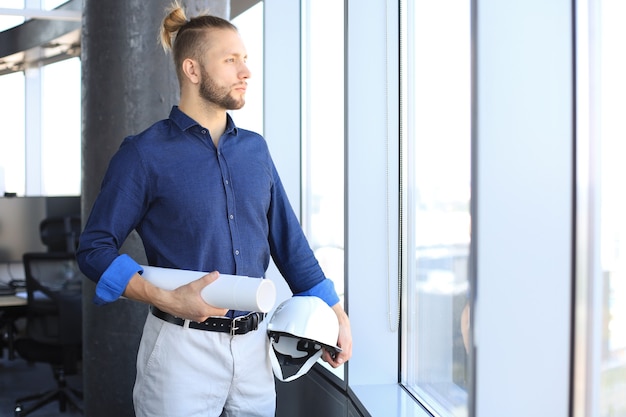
(237, 325)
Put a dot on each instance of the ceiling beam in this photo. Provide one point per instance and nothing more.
(38, 32)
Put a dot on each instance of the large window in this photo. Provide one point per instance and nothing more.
(40, 150)
(61, 128)
(51, 4)
(437, 238)
(607, 278)
(612, 208)
(7, 22)
(601, 276)
(12, 168)
(41, 122)
(250, 26)
(323, 135)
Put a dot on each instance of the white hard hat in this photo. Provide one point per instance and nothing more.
(298, 330)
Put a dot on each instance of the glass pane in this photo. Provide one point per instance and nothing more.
(438, 219)
(7, 22)
(323, 135)
(250, 26)
(52, 4)
(61, 128)
(612, 208)
(12, 140)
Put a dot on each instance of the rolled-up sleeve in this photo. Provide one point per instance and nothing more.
(115, 278)
(324, 290)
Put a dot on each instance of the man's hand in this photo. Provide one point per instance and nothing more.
(344, 341)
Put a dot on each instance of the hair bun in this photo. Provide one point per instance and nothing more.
(174, 20)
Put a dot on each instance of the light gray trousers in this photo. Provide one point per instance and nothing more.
(184, 372)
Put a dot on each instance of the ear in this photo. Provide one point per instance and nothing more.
(191, 69)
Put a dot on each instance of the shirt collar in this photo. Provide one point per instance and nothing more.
(230, 125)
(184, 122)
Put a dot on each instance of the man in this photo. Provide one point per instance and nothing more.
(203, 195)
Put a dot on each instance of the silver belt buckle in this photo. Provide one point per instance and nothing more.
(233, 325)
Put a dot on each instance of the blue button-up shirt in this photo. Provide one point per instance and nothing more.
(196, 207)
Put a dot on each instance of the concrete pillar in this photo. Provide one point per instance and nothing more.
(128, 84)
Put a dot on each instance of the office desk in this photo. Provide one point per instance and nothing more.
(12, 307)
(9, 301)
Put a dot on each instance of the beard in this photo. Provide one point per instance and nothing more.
(221, 96)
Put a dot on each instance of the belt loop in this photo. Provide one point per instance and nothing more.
(186, 324)
(255, 321)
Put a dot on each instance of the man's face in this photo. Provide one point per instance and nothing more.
(224, 72)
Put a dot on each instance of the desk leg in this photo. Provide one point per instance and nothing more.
(10, 332)
(4, 335)
(7, 337)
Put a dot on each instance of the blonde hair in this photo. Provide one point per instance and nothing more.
(188, 38)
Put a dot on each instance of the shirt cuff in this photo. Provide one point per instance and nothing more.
(114, 280)
(324, 290)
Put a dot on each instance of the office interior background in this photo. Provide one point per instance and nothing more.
(448, 160)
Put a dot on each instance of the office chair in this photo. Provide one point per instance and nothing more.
(53, 326)
(60, 234)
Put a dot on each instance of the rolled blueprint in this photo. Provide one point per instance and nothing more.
(234, 292)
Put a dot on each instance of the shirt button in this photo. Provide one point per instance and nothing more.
(237, 252)
(231, 217)
(226, 181)
(204, 131)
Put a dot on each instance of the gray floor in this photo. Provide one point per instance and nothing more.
(18, 379)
